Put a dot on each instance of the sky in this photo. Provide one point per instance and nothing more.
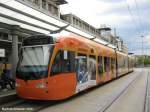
(129, 17)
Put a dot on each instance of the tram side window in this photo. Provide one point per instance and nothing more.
(106, 64)
(121, 62)
(126, 61)
(92, 66)
(56, 67)
(68, 62)
(81, 62)
(113, 63)
(100, 65)
(63, 62)
(81, 68)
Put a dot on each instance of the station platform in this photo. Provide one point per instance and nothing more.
(7, 95)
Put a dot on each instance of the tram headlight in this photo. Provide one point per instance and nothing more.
(40, 85)
(17, 85)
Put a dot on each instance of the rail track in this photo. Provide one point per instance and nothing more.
(21, 105)
(146, 105)
(113, 100)
(147, 95)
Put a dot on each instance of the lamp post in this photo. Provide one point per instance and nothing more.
(142, 52)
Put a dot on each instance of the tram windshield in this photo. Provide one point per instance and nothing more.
(33, 63)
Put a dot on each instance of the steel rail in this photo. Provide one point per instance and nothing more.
(119, 95)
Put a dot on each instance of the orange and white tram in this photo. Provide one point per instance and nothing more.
(51, 68)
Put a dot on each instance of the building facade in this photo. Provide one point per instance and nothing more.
(50, 7)
(80, 24)
(104, 32)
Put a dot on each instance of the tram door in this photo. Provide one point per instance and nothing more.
(81, 72)
(92, 70)
(86, 71)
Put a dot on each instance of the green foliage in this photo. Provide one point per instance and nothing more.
(146, 60)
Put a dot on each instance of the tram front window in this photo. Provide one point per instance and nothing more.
(33, 63)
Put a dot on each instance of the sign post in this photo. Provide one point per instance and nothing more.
(2, 53)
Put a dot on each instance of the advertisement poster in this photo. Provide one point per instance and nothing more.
(86, 72)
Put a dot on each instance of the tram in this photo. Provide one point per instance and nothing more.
(56, 68)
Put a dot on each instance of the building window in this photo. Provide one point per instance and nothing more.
(91, 29)
(43, 4)
(87, 27)
(27, 0)
(94, 31)
(74, 21)
(80, 23)
(83, 26)
(55, 10)
(36, 2)
(50, 7)
(4, 36)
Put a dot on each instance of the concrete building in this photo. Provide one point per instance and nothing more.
(121, 45)
(50, 7)
(80, 24)
(104, 32)
(125, 48)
